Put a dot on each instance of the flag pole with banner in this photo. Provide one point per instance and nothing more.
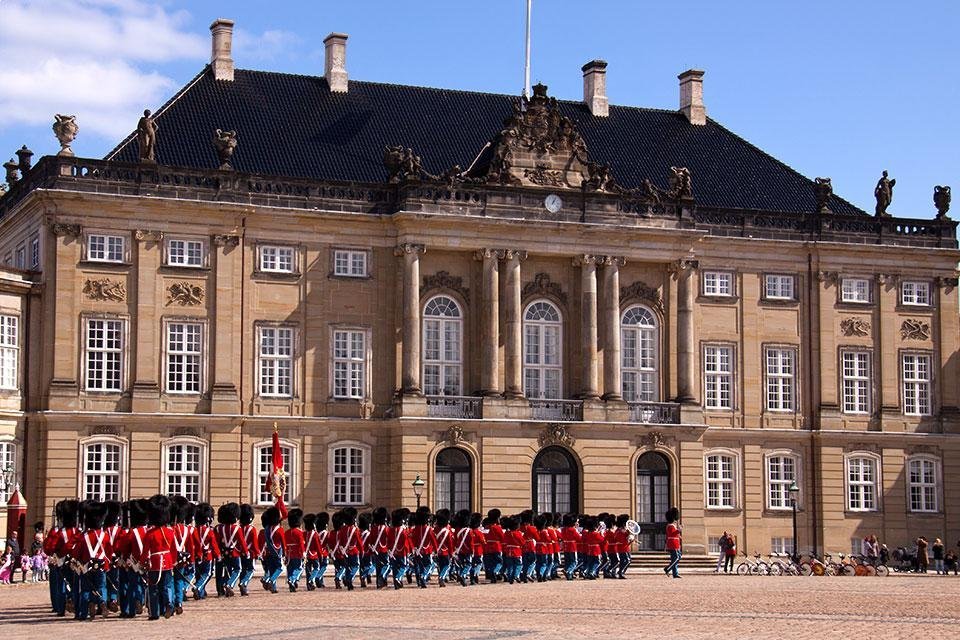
(277, 480)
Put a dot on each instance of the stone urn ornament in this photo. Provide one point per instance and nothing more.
(941, 199)
(225, 142)
(66, 129)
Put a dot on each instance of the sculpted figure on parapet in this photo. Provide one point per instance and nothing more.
(883, 192)
(147, 137)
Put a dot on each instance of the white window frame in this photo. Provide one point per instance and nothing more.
(777, 384)
(928, 504)
(333, 474)
(642, 364)
(169, 353)
(853, 461)
(35, 253)
(779, 286)
(771, 482)
(859, 385)
(713, 378)
(292, 469)
(541, 366)
(856, 290)
(109, 249)
(718, 284)
(916, 293)
(733, 481)
(201, 474)
(351, 263)
(21, 259)
(88, 353)
(122, 472)
(916, 390)
(781, 545)
(275, 360)
(182, 257)
(8, 456)
(351, 362)
(9, 352)
(270, 258)
(446, 362)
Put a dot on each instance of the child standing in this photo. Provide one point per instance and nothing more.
(39, 566)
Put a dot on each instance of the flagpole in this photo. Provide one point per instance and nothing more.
(526, 66)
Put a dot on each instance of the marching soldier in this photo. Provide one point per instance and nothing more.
(323, 519)
(424, 543)
(398, 541)
(159, 554)
(252, 540)
(207, 550)
(311, 550)
(132, 594)
(185, 546)
(442, 531)
(295, 548)
(349, 543)
(233, 547)
(377, 546)
(91, 560)
(493, 546)
(271, 544)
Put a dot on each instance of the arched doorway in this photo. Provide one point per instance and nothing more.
(453, 471)
(653, 500)
(555, 481)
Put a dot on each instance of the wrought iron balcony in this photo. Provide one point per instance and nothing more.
(655, 412)
(463, 407)
(560, 410)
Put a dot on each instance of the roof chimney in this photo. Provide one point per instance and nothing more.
(335, 62)
(595, 87)
(222, 40)
(691, 96)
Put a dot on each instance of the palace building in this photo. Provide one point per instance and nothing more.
(568, 305)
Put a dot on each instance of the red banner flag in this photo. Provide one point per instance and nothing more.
(277, 480)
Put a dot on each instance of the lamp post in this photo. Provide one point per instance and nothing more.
(9, 478)
(418, 486)
(793, 490)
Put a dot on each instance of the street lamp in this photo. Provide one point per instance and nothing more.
(418, 486)
(793, 490)
(9, 477)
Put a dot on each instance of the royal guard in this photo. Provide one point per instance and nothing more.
(159, 556)
(271, 545)
(323, 560)
(592, 548)
(332, 543)
(512, 549)
(60, 558)
(182, 513)
(311, 547)
(424, 543)
(531, 538)
(571, 538)
(366, 558)
(398, 541)
(252, 540)
(233, 547)
(623, 540)
(444, 555)
(132, 594)
(610, 560)
(493, 546)
(207, 549)
(295, 547)
(479, 541)
(543, 548)
(376, 545)
(50, 550)
(91, 560)
(557, 546)
(349, 543)
(111, 525)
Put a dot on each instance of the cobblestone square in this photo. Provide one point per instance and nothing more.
(697, 606)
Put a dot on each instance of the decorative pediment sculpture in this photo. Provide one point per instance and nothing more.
(105, 289)
(855, 327)
(542, 285)
(941, 199)
(556, 433)
(185, 294)
(822, 191)
(644, 293)
(915, 330)
(443, 280)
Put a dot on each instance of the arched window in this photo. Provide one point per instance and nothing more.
(8, 460)
(349, 473)
(783, 469)
(263, 461)
(452, 480)
(442, 347)
(721, 473)
(555, 481)
(653, 499)
(639, 354)
(542, 351)
(863, 487)
(184, 468)
(102, 468)
(923, 484)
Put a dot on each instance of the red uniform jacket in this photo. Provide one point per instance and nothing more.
(312, 545)
(94, 544)
(611, 542)
(674, 539)
(252, 541)
(331, 543)
(398, 541)
(206, 544)
(348, 539)
(444, 540)
(231, 541)
(423, 539)
(50, 542)
(271, 540)
(554, 537)
(295, 543)
(377, 540)
(159, 549)
(479, 541)
(65, 540)
(115, 535)
(184, 541)
(592, 543)
(324, 537)
(133, 543)
(462, 542)
(493, 540)
(571, 539)
(513, 544)
(530, 538)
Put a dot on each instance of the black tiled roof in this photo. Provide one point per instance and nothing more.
(293, 126)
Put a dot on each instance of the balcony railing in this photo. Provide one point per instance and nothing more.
(655, 412)
(463, 407)
(560, 410)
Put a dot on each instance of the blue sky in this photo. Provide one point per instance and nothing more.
(833, 88)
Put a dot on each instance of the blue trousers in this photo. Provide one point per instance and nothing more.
(93, 590)
(511, 568)
(203, 574)
(381, 563)
(398, 566)
(591, 566)
(570, 562)
(132, 594)
(160, 589)
(182, 575)
(294, 570)
(477, 566)
(624, 563)
(231, 572)
(272, 568)
(322, 563)
(366, 565)
(543, 566)
(443, 568)
(311, 568)
(350, 564)
(113, 584)
(492, 565)
(674, 563)
(58, 589)
(528, 564)
(422, 565)
(246, 571)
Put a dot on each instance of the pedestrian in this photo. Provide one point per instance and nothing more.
(730, 554)
(938, 557)
(26, 564)
(950, 562)
(6, 567)
(674, 541)
(13, 548)
(923, 561)
(884, 555)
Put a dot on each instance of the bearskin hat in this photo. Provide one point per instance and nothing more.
(540, 521)
(476, 519)
(588, 523)
(569, 520)
(380, 516)
(270, 517)
(138, 512)
(458, 521)
(442, 517)
(672, 514)
(348, 516)
(363, 521)
(159, 510)
(294, 518)
(622, 520)
(69, 513)
(230, 513)
(203, 514)
(323, 519)
(309, 521)
(246, 514)
(179, 512)
(610, 520)
(526, 516)
(494, 516)
(399, 517)
(421, 517)
(111, 513)
(509, 523)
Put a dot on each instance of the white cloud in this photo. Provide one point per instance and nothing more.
(267, 46)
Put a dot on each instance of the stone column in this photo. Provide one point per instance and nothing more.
(686, 376)
(490, 319)
(146, 385)
(513, 329)
(588, 325)
(611, 326)
(410, 372)
(227, 330)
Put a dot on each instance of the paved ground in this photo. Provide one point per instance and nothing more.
(698, 606)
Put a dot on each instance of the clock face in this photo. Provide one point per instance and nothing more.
(553, 203)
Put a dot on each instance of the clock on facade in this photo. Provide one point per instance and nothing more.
(553, 203)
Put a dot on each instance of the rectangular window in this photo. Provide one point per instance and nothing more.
(101, 471)
(104, 355)
(350, 262)
(9, 352)
(923, 485)
(855, 290)
(21, 258)
(713, 545)
(781, 545)
(717, 283)
(275, 259)
(718, 377)
(265, 469)
(347, 475)
(855, 367)
(720, 481)
(184, 357)
(861, 484)
(185, 253)
(276, 361)
(8, 460)
(778, 287)
(104, 248)
(915, 293)
(781, 473)
(184, 466)
(35, 254)
(781, 379)
(915, 370)
(349, 363)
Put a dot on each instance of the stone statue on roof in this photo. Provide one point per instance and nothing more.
(225, 142)
(66, 129)
(822, 191)
(884, 194)
(147, 137)
(681, 184)
(941, 199)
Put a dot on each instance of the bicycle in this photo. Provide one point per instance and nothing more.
(755, 567)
